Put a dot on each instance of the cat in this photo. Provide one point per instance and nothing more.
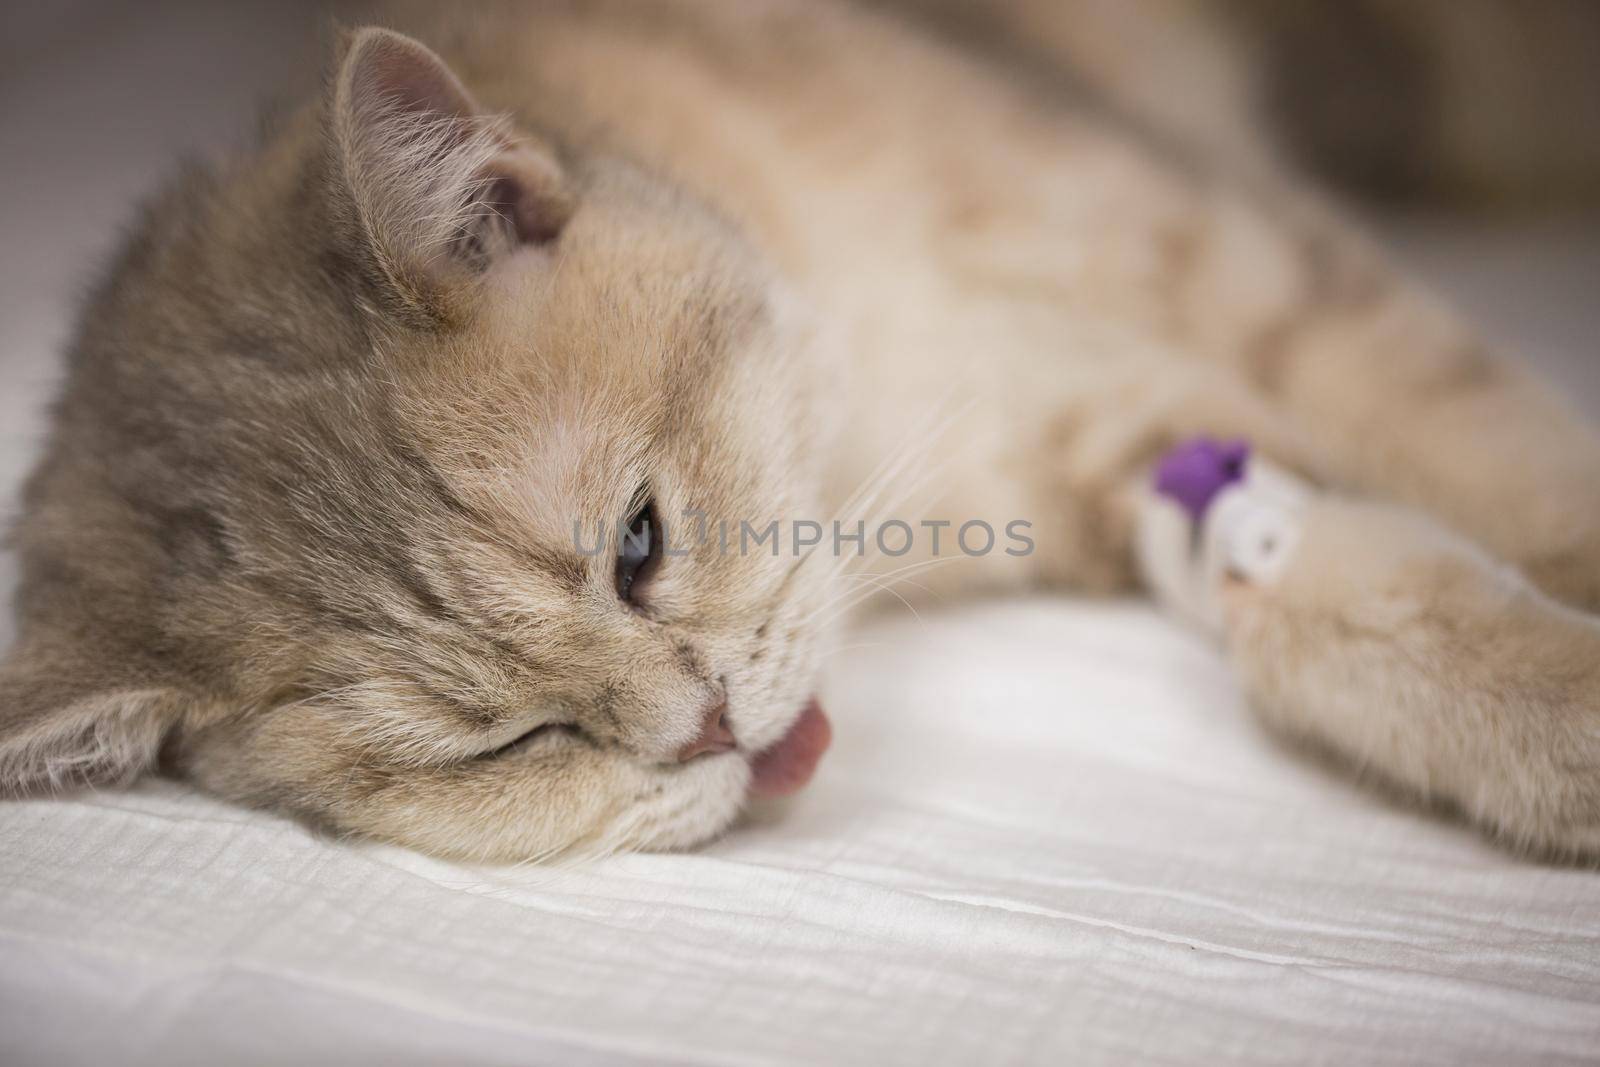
(313, 525)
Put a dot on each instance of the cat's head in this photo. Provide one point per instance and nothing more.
(318, 522)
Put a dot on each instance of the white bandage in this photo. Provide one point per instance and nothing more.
(1249, 533)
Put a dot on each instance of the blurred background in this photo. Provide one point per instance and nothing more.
(1465, 132)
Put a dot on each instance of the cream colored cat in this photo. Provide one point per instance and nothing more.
(309, 530)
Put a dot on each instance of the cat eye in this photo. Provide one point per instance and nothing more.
(639, 554)
(527, 740)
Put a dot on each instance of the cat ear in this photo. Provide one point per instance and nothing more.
(60, 723)
(441, 190)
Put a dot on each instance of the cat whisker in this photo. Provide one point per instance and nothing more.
(851, 598)
(879, 585)
(915, 447)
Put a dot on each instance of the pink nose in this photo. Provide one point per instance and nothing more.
(714, 733)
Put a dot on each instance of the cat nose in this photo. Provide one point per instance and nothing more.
(714, 733)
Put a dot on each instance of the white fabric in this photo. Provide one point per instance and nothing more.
(1047, 833)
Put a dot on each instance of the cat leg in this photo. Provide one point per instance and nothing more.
(1393, 637)
(1365, 626)
(1373, 631)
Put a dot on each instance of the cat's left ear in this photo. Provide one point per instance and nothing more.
(441, 190)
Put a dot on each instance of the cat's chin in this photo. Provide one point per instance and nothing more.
(788, 764)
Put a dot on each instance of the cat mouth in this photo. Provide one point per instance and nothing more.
(788, 764)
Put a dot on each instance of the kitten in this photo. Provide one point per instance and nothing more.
(311, 528)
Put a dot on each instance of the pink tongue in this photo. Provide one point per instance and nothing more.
(789, 764)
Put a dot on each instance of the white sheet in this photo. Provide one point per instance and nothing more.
(1047, 832)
